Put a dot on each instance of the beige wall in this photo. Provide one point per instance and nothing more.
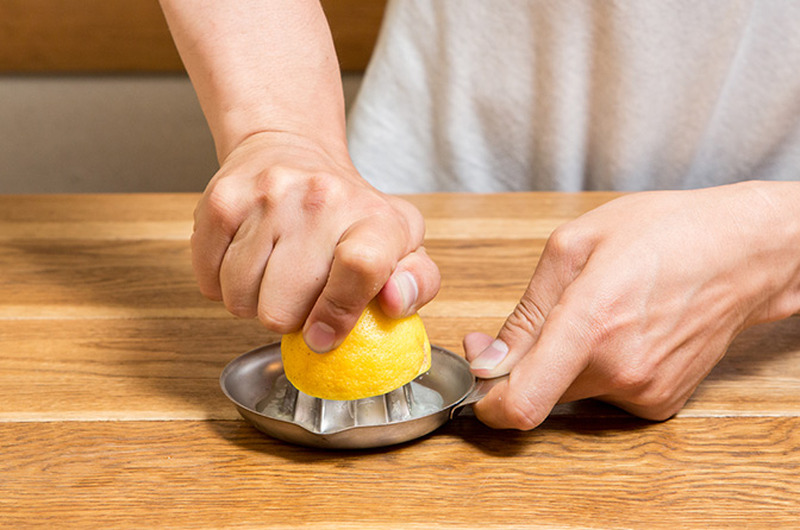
(79, 134)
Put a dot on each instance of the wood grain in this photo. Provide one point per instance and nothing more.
(584, 473)
(168, 368)
(145, 277)
(51, 36)
(111, 413)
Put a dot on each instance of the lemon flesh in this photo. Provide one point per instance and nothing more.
(379, 355)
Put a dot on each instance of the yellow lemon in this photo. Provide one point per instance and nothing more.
(378, 356)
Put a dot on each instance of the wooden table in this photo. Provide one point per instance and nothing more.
(111, 414)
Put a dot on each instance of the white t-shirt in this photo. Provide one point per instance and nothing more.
(479, 95)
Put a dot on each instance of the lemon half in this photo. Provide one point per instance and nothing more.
(379, 355)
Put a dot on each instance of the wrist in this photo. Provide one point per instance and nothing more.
(774, 241)
(285, 143)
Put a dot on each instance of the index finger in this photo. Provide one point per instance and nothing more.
(540, 379)
(362, 263)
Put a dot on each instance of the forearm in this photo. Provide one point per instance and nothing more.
(257, 66)
(777, 239)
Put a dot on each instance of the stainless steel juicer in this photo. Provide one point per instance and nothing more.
(256, 384)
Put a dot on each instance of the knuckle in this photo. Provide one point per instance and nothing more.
(241, 310)
(311, 192)
(662, 413)
(277, 320)
(564, 240)
(633, 377)
(339, 311)
(364, 260)
(272, 184)
(654, 400)
(521, 413)
(569, 245)
(414, 222)
(656, 409)
(527, 315)
(221, 204)
(320, 192)
(209, 290)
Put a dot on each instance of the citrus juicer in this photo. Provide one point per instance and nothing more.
(256, 384)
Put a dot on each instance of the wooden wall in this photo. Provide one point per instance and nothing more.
(131, 36)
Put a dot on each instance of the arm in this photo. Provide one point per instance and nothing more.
(261, 66)
(635, 302)
(287, 230)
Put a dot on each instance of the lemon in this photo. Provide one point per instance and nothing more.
(379, 355)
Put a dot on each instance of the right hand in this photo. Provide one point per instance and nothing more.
(291, 233)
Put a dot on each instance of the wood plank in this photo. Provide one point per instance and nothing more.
(169, 216)
(144, 278)
(89, 36)
(137, 369)
(168, 368)
(355, 25)
(96, 208)
(49, 36)
(436, 228)
(623, 473)
(133, 207)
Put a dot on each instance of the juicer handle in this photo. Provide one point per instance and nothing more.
(478, 392)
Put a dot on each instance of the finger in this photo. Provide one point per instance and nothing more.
(539, 379)
(363, 261)
(561, 262)
(414, 282)
(215, 224)
(243, 267)
(293, 279)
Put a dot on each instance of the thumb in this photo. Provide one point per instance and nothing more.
(515, 339)
(555, 271)
(414, 283)
(539, 380)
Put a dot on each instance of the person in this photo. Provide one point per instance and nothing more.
(686, 103)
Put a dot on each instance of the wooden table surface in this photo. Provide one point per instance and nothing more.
(111, 413)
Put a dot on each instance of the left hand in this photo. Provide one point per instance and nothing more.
(636, 301)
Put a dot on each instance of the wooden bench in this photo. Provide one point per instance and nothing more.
(131, 36)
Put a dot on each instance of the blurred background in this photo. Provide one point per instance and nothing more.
(94, 98)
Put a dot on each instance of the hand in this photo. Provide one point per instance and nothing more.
(291, 233)
(635, 302)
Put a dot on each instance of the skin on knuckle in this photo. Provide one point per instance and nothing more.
(273, 186)
(520, 412)
(208, 288)
(569, 246)
(221, 205)
(206, 274)
(562, 241)
(526, 318)
(412, 217)
(277, 320)
(321, 192)
(337, 313)
(656, 411)
(663, 413)
(632, 378)
(241, 310)
(363, 261)
(655, 400)
(311, 192)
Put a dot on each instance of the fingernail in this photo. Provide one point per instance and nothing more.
(409, 291)
(489, 358)
(320, 337)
